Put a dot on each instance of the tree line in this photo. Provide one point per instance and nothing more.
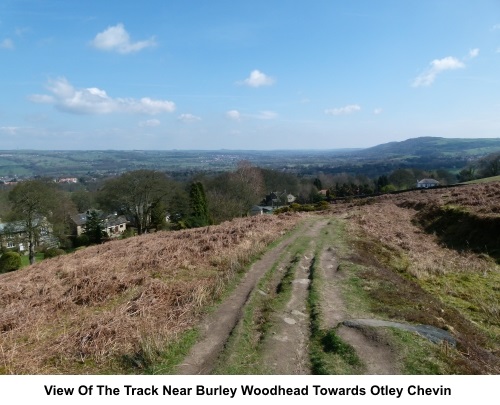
(152, 200)
(149, 199)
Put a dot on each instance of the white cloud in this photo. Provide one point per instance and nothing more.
(437, 66)
(7, 43)
(42, 99)
(266, 115)
(96, 101)
(473, 53)
(258, 79)
(378, 111)
(348, 109)
(117, 39)
(233, 115)
(496, 27)
(150, 123)
(9, 130)
(188, 118)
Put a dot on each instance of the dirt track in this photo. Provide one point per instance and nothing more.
(218, 325)
(286, 349)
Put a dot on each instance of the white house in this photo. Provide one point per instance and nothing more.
(114, 225)
(427, 183)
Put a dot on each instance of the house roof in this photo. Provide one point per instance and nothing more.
(79, 219)
(428, 181)
(109, 220)
(115, 220)
(264, 208)
(18, 226)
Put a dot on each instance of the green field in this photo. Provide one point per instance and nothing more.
(485, 180)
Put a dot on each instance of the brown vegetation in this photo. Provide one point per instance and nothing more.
(424, 266)
(86, 312)
(106, 307)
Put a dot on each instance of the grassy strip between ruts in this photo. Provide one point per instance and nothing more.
(328, 353)
(243, 354)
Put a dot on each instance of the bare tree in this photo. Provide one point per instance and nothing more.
(32, 201)
(136, 194)
(231, 195)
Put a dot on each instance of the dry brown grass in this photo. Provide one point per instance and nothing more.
(462, 287)
(82, 312)
(419, 253)
(476, 198)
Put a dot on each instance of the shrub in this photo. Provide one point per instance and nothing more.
(322, 204)
(82, 240)
(128, 233)
(10, 261)
(53, 252)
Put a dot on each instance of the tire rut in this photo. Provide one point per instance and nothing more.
(217, 326)
(286, 351)
(376, 355)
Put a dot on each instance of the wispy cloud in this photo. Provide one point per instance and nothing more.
(266, 115)
(378, 111)
(437, 66)
(117, 39)
(348, 109)
(7, 43)
(9, 130)
(473, 53)
(188, 118)
(150, 123)
(93, 100)
(496, 27)
(257, 79)
(234, 115)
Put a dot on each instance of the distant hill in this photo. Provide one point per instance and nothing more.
(427, 153)
(434, 146)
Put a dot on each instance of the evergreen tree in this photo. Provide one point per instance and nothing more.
(94, 228)
(199, 207)
(317, 183)
(381, 182)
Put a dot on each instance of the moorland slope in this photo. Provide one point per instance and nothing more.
(427, 257)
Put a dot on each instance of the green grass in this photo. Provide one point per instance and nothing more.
(25, 260)
(484, 180)
(476, 295)
(326, 350)
(419, 356)
(328, 353)
(166, 361)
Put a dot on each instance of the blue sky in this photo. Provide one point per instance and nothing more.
(281, 74)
